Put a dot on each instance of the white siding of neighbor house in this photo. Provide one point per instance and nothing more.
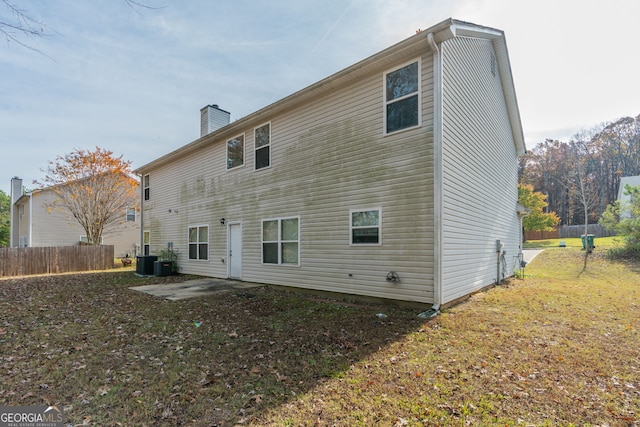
(625, 199)
(23, 218)
(479, 170)
(50, 227)
(328, 156)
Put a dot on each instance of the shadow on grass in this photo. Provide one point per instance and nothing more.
(113, 356)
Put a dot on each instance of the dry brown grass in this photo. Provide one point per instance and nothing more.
(559, 348)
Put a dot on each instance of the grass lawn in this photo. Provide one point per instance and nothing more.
(559, 348)
(599, 242)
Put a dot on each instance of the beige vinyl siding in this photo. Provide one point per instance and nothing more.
(185, 194)
(24, 222)
(479, 170)
(328, 157)
(49, 226)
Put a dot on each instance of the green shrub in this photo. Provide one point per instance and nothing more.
(630, 251)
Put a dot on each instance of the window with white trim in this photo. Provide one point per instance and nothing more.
(281, 241)
(145, 184)
(131, 215)
(235, 152)
(146, 243)
(365, 226)
(199, 242)
(402, 98)
(262, 142)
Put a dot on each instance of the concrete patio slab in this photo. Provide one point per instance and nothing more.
(193, 288)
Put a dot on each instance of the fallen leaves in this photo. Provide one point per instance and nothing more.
(112, 356)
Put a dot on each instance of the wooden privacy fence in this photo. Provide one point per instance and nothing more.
(54, 259)
(597, 230)
(567, 231)
(541, 235)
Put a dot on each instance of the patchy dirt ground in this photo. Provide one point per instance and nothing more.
(113, 356)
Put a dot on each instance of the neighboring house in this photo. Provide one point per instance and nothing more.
(625, 199)
(394, 178)
(35, 224)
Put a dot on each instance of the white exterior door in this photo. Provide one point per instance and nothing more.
(235, 251)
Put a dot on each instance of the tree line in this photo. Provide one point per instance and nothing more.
(581, 177)
(5, 218)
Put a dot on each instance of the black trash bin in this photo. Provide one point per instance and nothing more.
(144, 264)
(162, 268)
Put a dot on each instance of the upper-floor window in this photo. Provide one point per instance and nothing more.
(145, 185)
(263, 146)
(131, 215)
(365, 227)
(402, 98)
(235, 152)
(281, 241)
(199, 242)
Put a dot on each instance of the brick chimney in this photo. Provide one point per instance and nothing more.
(213, 118)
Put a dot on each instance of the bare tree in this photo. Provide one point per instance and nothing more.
(605, 153)
(16, 24)
(19, 23)
(135, 5)
(581, 183)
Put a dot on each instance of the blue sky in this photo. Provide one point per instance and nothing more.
(133, 80)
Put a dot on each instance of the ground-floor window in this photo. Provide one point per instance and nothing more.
(146, 242)
(365, 226)
(281, 241)
(199, 242)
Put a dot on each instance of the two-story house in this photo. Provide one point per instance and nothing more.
(395, 178)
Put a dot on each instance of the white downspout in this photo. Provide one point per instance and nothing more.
(141, 252)
(30, 227)
(437, 178)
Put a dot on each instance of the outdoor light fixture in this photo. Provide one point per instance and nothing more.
(221, 221)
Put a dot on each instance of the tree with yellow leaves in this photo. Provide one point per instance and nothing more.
(93, 188)
(537, 220)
